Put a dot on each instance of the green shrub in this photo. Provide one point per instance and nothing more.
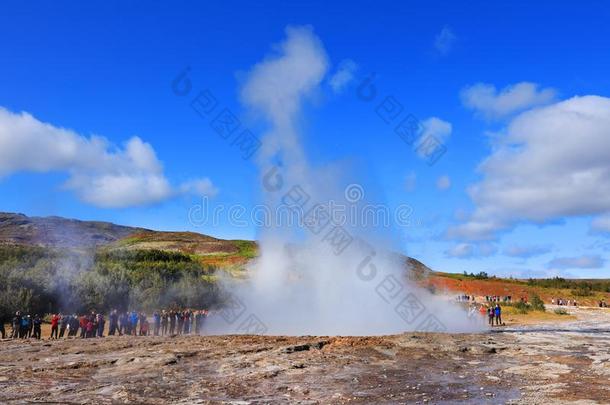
(561, 311)
(537, 303)
(522, 307)
(482, 275)
(583, 290)
(247, 249)
(40, 280)
(577, 286)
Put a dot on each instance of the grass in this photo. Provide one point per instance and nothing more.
(209, 278)
(231, 255)
(513, 316)
(521, 308)
(247, 249)
(129, 241)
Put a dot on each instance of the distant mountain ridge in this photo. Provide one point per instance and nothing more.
(59, 232)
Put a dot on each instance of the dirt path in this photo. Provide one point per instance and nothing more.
(569, 363)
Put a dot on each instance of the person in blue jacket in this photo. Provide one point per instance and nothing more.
(133, 318)
(498, 314)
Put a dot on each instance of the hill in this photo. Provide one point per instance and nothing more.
(56, 264)
(208, 250)
(63, 233)
(59, 232)
(585, 292)
(43, 257)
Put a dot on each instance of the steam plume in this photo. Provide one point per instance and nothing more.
(302, 283)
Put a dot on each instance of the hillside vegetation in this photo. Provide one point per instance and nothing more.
(209, 251)
(585, 292)
(41, 280)
(59, 232)
(56, 264)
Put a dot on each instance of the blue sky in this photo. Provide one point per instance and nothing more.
(497, 79)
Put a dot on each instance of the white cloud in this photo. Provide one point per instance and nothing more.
(486, 100)
(444, 40)
(580, 262)
(120, 190)
(443, 182)
(526, 251)
(553, 162)
(469, 250)
(343, 76)
(436, 128)
(461, 251)
(475, 229)
(99, 173)
(601, 224)
(201, 187)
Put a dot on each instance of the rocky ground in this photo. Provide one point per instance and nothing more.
(566, 363)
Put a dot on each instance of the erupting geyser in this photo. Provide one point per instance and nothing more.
(321, 271)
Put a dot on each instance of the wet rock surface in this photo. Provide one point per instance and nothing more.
(544, 365)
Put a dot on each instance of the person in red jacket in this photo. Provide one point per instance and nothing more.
(90, 328)
(83, 325)
(54, 325)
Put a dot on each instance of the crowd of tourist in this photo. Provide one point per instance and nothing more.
(498, 298)
(23, 327)
(161, 323)
(494, 314)
(564, 302)
(487, 298)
